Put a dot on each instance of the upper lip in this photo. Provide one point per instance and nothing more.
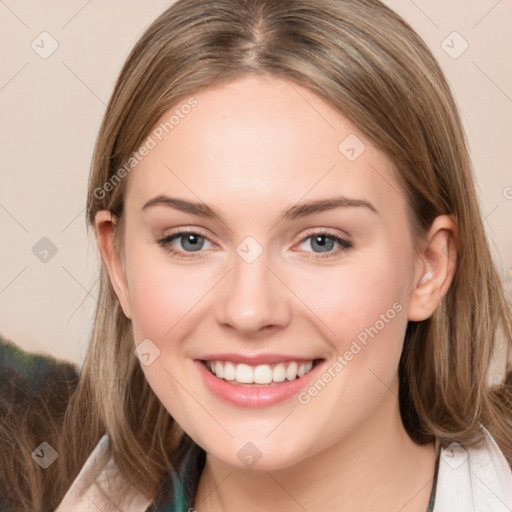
(255, 360)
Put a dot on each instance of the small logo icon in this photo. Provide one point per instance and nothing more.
(249, 249)
(249, 455)
(44, 455)
(44, 250)
(454, 45)
(44, 45)
(351, 147)
(146, 351)
(454, 455)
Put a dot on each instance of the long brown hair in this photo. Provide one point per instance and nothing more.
(368, 64)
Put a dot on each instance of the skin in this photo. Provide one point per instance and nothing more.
(250, 149)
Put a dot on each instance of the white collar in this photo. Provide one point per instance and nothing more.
(476, 479)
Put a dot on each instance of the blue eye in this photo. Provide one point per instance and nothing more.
(325, 242)
(192, 242)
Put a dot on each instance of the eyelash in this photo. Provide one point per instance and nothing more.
(165, 242)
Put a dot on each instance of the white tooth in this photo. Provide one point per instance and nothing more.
(244, 374)
(229, 371)
(279, 373)
(262, 374)
(291, 371)
(309, 365)
(302, 370)
(219, 369)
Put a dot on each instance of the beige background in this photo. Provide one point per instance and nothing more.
(51, 111)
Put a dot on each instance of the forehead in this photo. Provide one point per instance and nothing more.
(255, 142)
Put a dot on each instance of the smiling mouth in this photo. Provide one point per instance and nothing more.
(263, 375)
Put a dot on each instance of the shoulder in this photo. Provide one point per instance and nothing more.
(477, 478)
(87, 492)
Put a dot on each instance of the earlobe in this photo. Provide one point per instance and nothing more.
(437, 264)
(105, 226)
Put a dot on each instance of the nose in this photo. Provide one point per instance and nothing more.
(254, 299)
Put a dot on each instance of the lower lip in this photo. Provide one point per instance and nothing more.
(258, 396)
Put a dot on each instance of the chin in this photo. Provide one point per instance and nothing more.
(257, 456)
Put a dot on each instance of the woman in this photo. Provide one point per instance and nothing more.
(297, 299)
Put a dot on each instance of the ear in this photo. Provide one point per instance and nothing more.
(436, 264)
(105, 224)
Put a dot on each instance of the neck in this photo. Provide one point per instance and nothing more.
(375, 467)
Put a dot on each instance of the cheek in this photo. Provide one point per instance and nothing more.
(349, 299)
(373, 317)
(161, 293)
(162, 300)
(361, 311)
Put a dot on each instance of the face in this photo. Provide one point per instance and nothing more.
(298, 257)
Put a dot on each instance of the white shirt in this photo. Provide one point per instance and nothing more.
(478, 479)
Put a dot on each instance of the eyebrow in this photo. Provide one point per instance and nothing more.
(293, 212)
